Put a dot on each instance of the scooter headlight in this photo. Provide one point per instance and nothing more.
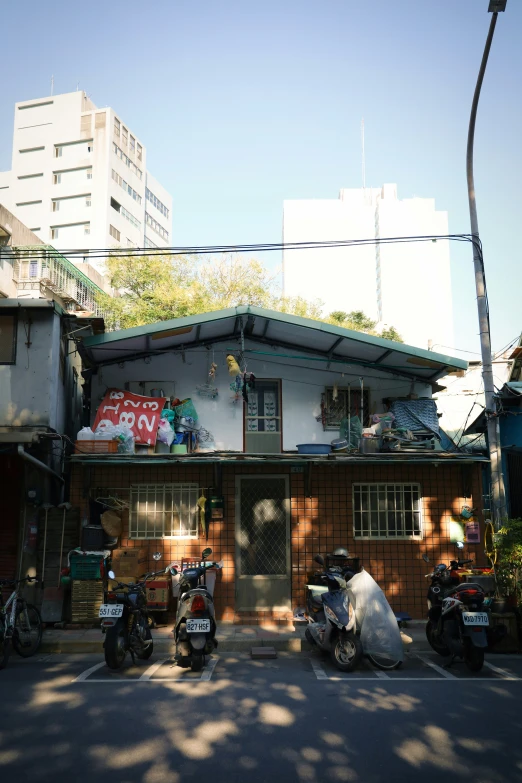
(329, 613)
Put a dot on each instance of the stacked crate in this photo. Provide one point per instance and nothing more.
(87, 572)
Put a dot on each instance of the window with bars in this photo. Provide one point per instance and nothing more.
(389, 511)
(164, 511)
(347, 402)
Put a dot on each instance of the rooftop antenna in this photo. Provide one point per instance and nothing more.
(77, 86)
(52, 84)
(363, 156)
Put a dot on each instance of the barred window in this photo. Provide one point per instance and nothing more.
(347, 402)
(387, 511)
(164, 511)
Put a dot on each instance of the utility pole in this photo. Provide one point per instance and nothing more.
(498, 499)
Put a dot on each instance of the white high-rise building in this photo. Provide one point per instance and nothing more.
(405, 285)
(79, 178)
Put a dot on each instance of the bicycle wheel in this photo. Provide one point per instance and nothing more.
(384, 662)
(28, 630)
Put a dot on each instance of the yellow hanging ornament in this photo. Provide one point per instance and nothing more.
(233, 366)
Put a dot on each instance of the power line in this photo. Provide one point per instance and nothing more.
(116, 252)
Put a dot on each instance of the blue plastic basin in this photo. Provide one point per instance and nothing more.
(314, 448)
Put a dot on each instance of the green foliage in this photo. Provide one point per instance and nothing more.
(508, 568)
(156, 288)
(360, 322)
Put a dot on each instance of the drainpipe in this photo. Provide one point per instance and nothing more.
(38, 464)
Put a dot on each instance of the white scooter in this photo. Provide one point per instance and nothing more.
(195, 626)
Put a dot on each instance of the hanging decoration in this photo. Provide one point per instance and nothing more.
(233, 366)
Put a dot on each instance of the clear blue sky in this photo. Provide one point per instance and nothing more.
(243, 104)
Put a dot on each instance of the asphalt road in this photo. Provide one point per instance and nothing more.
(67, 718)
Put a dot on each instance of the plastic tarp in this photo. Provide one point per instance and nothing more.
(416, 415)
(380, 634)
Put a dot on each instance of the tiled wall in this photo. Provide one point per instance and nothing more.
(318, 524)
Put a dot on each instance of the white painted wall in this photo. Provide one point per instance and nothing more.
(302, 384)
(414, 290)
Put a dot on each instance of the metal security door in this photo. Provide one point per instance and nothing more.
(262, 543)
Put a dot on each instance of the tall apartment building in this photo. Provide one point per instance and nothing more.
(79, 178)
(405, 285)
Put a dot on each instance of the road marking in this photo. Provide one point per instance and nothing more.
(507, 675)
(150, 671)
(208, 671)
(381, 675)
(319, 671)
(83, 676)
(348, 679)
(438, 669)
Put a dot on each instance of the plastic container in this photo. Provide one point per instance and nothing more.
(314, 448)
(85, 434)
(339, 444)
(178, 448)
(86, 567)
(162, 448)
(92, 538)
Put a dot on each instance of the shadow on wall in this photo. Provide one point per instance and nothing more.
(254, 727)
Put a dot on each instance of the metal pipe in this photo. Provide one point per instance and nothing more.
(38, 464)
(497, 481)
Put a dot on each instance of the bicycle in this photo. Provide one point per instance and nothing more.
(20, 622)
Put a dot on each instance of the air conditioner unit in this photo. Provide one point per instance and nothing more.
(263, 442)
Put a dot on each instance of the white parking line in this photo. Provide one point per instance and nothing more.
(150, 671)
(318, 670)
(505, 674)
(438, 669)
(381, 675)
(207, 672)
(83, 676)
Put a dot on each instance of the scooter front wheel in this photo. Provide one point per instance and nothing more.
(346, 652)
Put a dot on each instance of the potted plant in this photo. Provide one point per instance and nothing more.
(508, 567)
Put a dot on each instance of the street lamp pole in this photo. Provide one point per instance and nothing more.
(498, 500)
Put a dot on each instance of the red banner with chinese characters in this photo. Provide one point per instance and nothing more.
(138, 413)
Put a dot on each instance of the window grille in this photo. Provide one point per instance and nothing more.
(163, 511)
(334, 411)
(389, 511)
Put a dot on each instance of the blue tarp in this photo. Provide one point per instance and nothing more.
(415, 415)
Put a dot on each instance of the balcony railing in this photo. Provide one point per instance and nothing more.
(45, 267)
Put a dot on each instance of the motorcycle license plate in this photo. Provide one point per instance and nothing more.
(111, 610)
(198, 626)
(475, 618)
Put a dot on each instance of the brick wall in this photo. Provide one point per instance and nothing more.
(318, 524)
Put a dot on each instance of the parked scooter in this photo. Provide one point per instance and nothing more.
(195, 627)
(126, 622)
(459, 615)
(331, 617)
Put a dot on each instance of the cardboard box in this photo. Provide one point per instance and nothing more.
(128, 562)
(158, 594)
(125, 579)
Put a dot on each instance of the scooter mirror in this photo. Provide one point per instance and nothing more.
(156, 556)
(171, 570)
(206, 553)
(319, 559)
(425, 558)
(112, 575)
(459, 544)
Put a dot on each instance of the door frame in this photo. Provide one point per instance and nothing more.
(237, 523)
(279, 382)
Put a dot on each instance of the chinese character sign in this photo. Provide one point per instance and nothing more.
(140, 414)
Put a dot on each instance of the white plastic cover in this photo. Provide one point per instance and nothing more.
(380, 634)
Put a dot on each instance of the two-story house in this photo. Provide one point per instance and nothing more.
(282, 503)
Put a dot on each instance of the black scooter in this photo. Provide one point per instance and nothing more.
(126, 622)
(459, 615)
